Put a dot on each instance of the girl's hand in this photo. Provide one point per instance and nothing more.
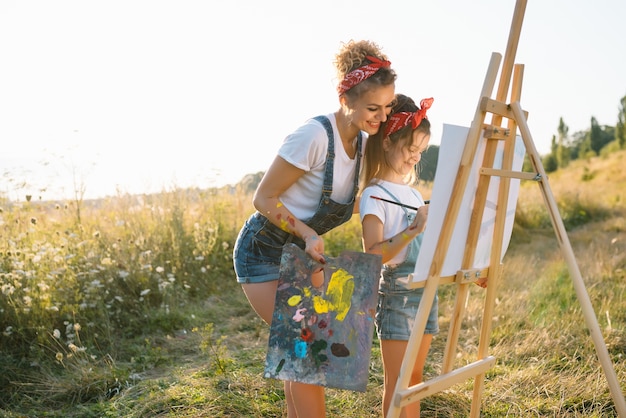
(419, 223)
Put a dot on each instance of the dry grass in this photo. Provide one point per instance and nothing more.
(203, 357)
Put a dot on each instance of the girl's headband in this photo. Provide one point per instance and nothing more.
(354, 77)
(401, 119)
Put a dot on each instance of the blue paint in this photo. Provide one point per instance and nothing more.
(300, 349)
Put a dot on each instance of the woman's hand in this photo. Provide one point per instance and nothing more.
(315, 247)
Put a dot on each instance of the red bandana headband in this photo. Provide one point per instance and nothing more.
(354, 77)
(401, 119)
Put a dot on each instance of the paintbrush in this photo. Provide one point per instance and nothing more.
(426, 202)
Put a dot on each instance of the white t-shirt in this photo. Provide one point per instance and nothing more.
(393, 217)
(306, 148)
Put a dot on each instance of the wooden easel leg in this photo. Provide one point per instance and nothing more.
(463, 289)
(568, 254)
(495, 270)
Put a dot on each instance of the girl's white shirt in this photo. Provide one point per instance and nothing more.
(306, 148)
(393, 217)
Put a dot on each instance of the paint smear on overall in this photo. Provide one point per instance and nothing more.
(324, 335)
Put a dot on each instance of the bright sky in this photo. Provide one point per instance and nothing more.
(141, 96)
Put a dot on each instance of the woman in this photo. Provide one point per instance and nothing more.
(311, 187)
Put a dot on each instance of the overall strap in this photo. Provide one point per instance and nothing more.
(330, 158)
(359, 155)
(327, 189)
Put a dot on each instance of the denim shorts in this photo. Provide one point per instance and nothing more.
(396, 310)
(257, 251)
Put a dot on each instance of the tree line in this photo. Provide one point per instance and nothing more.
(587, 143)
(564, 148)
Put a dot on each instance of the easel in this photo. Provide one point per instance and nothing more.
(493, 133)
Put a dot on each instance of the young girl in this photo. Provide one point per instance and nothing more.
(311, 188)
(395, 232)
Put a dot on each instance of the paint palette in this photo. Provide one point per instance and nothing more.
(323, 335)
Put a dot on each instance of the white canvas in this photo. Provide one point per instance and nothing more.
(450, 152)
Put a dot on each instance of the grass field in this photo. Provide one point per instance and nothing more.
(128, 307)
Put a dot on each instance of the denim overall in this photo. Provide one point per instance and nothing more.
(397, 304)
(258, 249)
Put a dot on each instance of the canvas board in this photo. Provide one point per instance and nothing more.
(323, 335)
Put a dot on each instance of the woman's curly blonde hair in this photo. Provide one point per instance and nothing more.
(352, 55)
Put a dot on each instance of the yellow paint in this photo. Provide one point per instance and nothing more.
(307, 292)
(338, 295)
(320, 304)
(405, 236)
(294, 300)
(284, 225)
(279, 204)
(340, 290)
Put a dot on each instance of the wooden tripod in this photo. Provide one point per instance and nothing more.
(493, 133)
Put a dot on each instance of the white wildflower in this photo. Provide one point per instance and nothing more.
(7, 289)
(56, 333)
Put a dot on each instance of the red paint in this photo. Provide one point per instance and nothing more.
(307, 335)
